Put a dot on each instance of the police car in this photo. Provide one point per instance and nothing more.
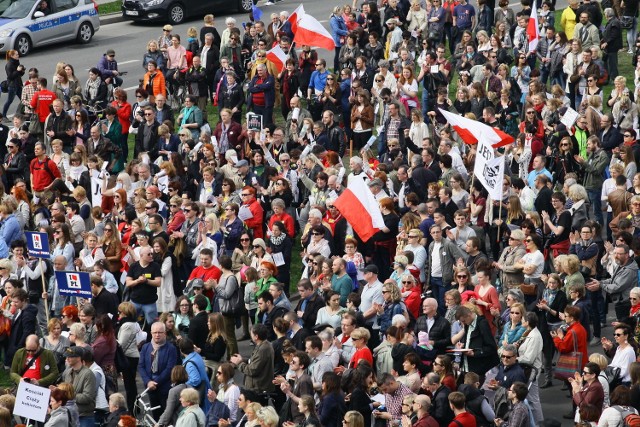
(26, 24)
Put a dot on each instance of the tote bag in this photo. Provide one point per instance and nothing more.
(570, 363)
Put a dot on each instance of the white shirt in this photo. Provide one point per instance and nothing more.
(371, 293)
(436, 266)
(535, 258)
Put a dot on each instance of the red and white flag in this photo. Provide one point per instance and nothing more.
(360, 208)
(277, 56)
(310, 32)
(469, 130)
(533, 32)
(295, 17)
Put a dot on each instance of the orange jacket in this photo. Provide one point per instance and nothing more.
(158, 84)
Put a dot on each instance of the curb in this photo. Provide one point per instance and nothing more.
(111, 18)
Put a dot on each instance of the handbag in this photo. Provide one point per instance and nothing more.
(120, 359)
(530, 289)
(626, 22)
(570, 363)
(4, 86)
(35, 127)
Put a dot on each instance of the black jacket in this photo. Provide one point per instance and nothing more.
(440, 332)
(315, 303)
(197, 81)
(17, 167)
(60, 125)
(151, 145)
(106, 303)
(271, 317)
(611, 139)
(337, 140)
(440, 409)
(231, 97)
(612, 35)
(21, 328)
(543, 201)
(14, 76)
(199, 329)
(485, 350)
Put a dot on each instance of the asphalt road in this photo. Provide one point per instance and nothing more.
(129, 41)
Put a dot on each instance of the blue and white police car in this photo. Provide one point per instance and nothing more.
(26, 24)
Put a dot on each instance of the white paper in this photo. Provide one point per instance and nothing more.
(64, 334)
(278, 258)
(32, 401)
(370, 142)
(378, 398)
(244, 213)
(569, 117)
(434, 69)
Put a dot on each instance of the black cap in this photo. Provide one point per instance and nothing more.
(371, 268)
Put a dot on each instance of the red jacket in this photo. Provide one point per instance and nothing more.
(41, 102)
(565, 345)
(124, 115)
(43, 176)
(255, 223)
(413, 302)
(176, 222)
(287, 220)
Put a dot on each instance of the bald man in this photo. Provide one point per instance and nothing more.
(421, 406)
(34, 364)
(143, 279)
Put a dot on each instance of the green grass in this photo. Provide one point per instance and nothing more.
(5, 380)
(108, 8)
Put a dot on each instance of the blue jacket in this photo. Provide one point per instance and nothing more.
(197, 372)
(268, 87)
(345, 87)
(10, 230)
(216, 411)
(506, 376)
(107, 67)
(167, 355)
(338, 29)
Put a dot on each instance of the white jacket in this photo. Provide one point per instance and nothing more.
(530, 350)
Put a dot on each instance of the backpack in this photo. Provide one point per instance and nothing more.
(630, 417)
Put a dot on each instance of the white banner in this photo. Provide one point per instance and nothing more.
(32, 401)
(488, 169)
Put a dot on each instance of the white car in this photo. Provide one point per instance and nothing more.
(26, 24)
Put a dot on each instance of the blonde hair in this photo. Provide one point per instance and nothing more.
(192, 32)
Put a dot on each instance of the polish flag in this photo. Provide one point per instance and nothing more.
(277, 57)
(295, 17)
(310, 32)
(360, 208)
(533, 32)
(468, 129)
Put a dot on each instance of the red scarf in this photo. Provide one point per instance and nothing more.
(332, 221)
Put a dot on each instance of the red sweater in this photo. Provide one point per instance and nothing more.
(465, 419)
(288, 223)
(41, 101)
(41, 176)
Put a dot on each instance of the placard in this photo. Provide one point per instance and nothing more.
(32, 401)
(38, 244)
(74, 283)
(569, 118)
(254, 122)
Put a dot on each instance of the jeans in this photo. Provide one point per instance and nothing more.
(560, 79)
(438, 290)
(596, 203)
(611, 64)
(544, 74)
(425, 109)
(632, 34)
(88, 421)
(534, 401)
(382, 144)
(150, 311)
(13, 92)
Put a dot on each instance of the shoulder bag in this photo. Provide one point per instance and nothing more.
(569, 363)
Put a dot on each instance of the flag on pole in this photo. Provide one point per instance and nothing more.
(360, 208)
(277, 56)
(469, 130)
(533, 31)
(488, 168)
(256, 12)
(295, 17)
(310, 32)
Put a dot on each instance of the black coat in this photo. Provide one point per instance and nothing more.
(152, 145)
(17, 168)
(21, 328)
(543, 201)
(231, 97)
(106, 303)
(485, 350)
(199, 329)
(440, 409)
(612, 35)
(14, 76)
(440, 332)
(611, 139)
(311, 311)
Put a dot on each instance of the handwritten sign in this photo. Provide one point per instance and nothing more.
(32, 401)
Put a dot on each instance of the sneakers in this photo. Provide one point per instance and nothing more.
(630, 52)
(269, 3)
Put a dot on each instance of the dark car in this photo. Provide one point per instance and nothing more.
(176, 11)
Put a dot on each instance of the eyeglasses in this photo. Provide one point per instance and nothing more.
(318, 234)
(171, 206)
(590, 80)
(531, 112)
(407, 282)
(564, 145)
(329, 78)
(148, 114)
(504, 356)
(245, 194)
(187, 210)
(627, 135)
(586, 373)
(256, 246)
(379, 81)
(515, 312)
(386, 292)
(412, 236)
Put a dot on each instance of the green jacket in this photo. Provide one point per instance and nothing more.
(48, 367)
(594, 170)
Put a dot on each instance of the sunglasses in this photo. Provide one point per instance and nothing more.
(244, 240)
(461, 276)
(618, 335)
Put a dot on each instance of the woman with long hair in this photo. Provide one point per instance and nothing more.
(54, 341)
(183, 314)
(331, 95)
(14, 71)
(112, 248)
(65, 88)
(521, 73)
(104, 352)
(408, 89)
(359, 405)
(179, 378)
(443, 366)
(216, 344)
(228, 391)
(362, 117)
(562, 161)
(62, 245)
(462, 279)
(331, 401)
(127, 331)
(487, 296)
(478, 99)
(289, 85)
(167, 290)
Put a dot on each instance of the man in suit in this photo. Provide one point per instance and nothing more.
(147, 136)
(309, 304)
(23, 324)
(611, 42)
(543, 198)
(609, 135)
(482, 350)
(198, 327)
(258, 370)
(436, 326)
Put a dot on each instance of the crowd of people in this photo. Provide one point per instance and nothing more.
(459, 311)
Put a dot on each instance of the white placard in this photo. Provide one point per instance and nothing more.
(32, 401)
(244, 213)
(88, 261)
(434, 69)
(569, 117)
(278, 258)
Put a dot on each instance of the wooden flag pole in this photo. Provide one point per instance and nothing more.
(44, 289)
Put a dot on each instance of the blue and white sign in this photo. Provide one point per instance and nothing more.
(38, 244)
(74, 283)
